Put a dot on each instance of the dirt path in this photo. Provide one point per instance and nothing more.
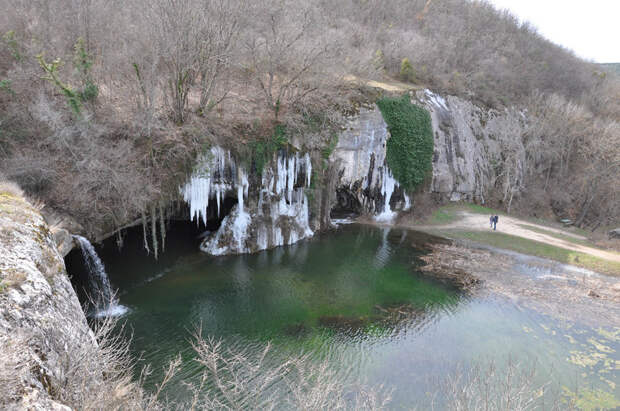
(513, 226)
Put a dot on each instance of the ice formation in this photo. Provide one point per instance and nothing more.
(387, 189)
(279, 217)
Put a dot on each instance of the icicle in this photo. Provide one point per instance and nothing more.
(154, 230)
(119, 239)
(240, 190)
(297, 167)
(217, 195)
(387, 189)
(162, 227)
(146, 243)
(290, 180)
(308, 169)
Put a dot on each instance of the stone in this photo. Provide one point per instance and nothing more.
(360, 161)
(41, 320)
(614, 233)
(64, 241)
(469, 144)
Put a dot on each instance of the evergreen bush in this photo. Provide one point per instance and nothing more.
(410, 147)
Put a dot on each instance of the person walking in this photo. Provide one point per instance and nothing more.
(495, 220)
(491, 219)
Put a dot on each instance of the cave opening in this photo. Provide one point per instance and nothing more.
(347, 205)
(126, 264)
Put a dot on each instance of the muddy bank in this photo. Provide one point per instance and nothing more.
(562, 291)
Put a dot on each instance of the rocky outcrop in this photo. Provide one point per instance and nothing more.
(64, 241)
(477, 151)
(473, 148)
(42, 327)
(364, 183)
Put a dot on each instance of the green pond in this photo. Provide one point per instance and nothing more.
(356, 297)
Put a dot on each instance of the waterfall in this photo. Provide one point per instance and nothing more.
(101, 290)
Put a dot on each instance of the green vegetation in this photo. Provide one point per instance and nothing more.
(557, 235)
(6, 86)
(73, 98)
(590, 400)
(450, 213)
(442, 216)
(262, 151)
(406, 71)
(536, 248)
(410, 147)
(82, 62)
(11, 43)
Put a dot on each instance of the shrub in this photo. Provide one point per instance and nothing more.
(262, 151)
(410, 148)
(406, 71)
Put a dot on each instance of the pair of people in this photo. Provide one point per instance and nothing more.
(493, 220)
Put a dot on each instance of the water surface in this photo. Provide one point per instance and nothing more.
(358, 296)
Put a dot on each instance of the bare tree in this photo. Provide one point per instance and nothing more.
(176, 26)
(218, 37)
(283, 56)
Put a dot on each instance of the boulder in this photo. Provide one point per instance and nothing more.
(614, 233)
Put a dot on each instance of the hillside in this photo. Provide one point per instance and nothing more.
(613, 67)
(105, 106)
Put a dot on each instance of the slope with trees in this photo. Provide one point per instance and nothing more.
(104, 105)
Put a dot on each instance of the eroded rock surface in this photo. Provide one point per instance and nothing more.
(473, 147)
(42, 326)
(477, 152)
(364, 183)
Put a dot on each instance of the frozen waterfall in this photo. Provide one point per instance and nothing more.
(209, 180)
(279, 217)
(387, 189)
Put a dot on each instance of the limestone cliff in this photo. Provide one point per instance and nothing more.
(42, 327)
(477, 151)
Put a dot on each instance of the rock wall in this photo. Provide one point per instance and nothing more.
(365, 184)
(42, 326)
(472, 148)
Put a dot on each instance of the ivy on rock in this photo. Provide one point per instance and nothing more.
(410, 147)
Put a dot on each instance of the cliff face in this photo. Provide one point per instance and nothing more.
(364, 183)
(477, 151)
(42, 327)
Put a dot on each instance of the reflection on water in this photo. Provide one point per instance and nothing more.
(357, 293)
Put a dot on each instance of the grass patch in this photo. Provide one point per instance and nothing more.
(525, 246)
(558, 235)
(450, 213)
